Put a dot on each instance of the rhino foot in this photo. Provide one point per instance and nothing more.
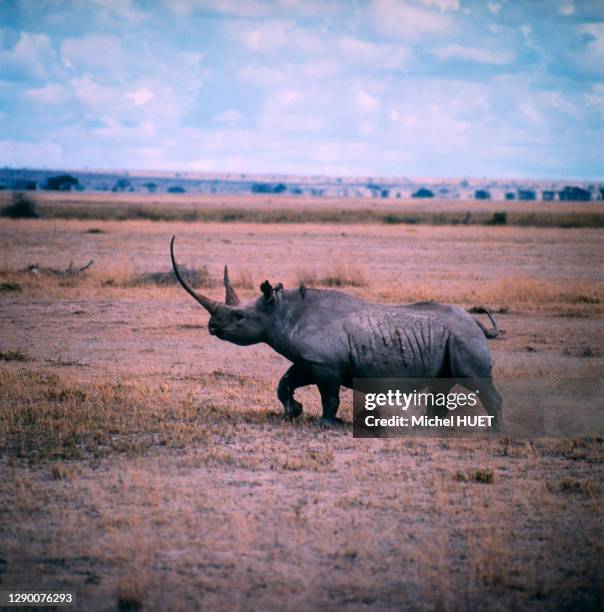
(293, 409)
(331, 422)
(498, 426)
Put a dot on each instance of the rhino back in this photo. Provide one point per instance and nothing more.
(367, 340)
(394, 342)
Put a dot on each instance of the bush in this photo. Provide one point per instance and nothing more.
(423, 193)
(61, 182)
(575, 194)
(122, 185)
(268, 188)
(21, 208)
(194, 277)
(499, 218)
(526, 194)
(24, 185)
(396, 219)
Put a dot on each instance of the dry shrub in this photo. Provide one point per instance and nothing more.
(45, 416)
(6, 287)
(503, 292)
(341, 274)
(58, 471)
(196, 277)
(573, 485)
(14, 356)
(244, 280)
(22, 207)
(527, 290)
(130, 593)
(482, 476)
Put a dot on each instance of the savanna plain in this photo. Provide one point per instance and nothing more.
(147, 465)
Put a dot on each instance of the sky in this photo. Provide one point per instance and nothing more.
(422, 88)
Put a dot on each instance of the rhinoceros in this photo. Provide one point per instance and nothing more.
(332, 338)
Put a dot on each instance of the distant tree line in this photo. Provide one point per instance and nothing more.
(268, 188)
(68, 182)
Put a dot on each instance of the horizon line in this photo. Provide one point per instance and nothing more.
(286, 175)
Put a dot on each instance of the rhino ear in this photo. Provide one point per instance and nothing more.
(231, 297)
(267, 291)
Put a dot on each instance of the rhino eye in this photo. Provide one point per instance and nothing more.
(237, 316)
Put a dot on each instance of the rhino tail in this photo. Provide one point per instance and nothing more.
(489, 333)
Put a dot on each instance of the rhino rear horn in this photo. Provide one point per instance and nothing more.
(231, 297)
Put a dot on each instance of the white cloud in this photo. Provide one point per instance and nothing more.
(567, 8)
(595, 98)
(443, 5)
(593, 55)
(366, 102)
(92, 53)
(270, 36)
(320, 69)
(478, 55)
(94, 96)
(112, 11)
(530, 113)
(229, 117)
(267, 37)
(402, 20)
(384, 56)
(254, 9)
(229, 8)
(140, 96)
(257, 74)
(288, 97)
(559, 101)
(280, 74)
(31, 58)
(294, 110)
(52, 93)
(495, 7)
(40, 154)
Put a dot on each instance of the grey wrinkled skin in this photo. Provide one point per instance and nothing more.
(331, 338)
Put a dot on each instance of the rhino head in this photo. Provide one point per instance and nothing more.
(241, 324)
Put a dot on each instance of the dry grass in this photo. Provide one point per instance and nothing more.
(340, 274)
(146, 464)
(229, 518)
(508, 291)
(270, 209)
(244, 279)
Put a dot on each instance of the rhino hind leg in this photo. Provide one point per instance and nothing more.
(330, 399)
(473, 370)
(297, 376)
(492, 402)
(432, 410)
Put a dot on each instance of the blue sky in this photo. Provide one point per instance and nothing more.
(380, 88)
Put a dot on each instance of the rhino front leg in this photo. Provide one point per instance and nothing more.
(330, 398)
(296, 376)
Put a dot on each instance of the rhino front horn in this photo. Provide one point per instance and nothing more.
(209, 304)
